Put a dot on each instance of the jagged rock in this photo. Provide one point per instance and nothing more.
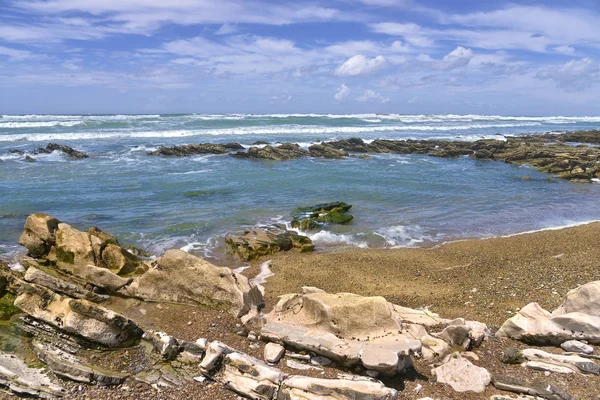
(575, 346)
(215, 353)
(260, 242)
(344, 327)
(357, 388)
(285, 151)
(455, 335)
(462, 375)
(70, 367)
(119, 260)
(574, 363)
(75, 316)
(250, 377)
(190, 150)
(273, 352)
(544, 390)
(97, 276)
(62, 148)
(38, 235)
(34, 275)
(23, 380)
(324, 151)
(167, 346)
(184, 278)
(73, 246)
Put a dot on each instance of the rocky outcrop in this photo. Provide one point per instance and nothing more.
(261, 242)
(285, 151)
(325, 151)
(191, 150)
(17, 377)
(62, 148)
(577, 318)
(76, 316)
(181, 277)
(38, 277)
(314, 216)
(38, 235)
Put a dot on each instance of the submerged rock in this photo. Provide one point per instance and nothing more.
(285, 151)
(261, 242)
(325, 151)
(190, 150)
(313, 216)
(62, 148)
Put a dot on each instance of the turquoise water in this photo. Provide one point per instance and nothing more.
(160, 203)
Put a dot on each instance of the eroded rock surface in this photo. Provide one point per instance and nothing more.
(261, 242)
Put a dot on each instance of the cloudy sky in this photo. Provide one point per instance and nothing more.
(523, 57)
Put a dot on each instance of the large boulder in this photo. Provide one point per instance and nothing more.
(314, 216)
(73, 246)
(77, 316)
(38, 235)
(261, 242)
(184, 278)
(585, 299)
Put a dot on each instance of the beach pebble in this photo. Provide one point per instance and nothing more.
(575, 346)
(320, 361)
(273, 352)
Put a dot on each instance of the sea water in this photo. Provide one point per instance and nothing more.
(193, 202)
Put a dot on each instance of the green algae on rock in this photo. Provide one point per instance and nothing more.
(312, 217)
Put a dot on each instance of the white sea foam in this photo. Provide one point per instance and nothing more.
(403, 236)
(264, 274)
(324, 237)
(41, 124)
(268, 130)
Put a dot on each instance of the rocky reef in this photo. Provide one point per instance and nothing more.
(314, 216)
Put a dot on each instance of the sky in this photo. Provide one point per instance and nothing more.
(523, 57)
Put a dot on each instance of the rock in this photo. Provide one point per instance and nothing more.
(189, 150)
(28, 158)
(301, 367)
(575, 346)
(167, 346)
(574, 363)
(25, 381)
(73, 246)
(585, 299)
(233, 146)
(483, 154)
(320, 361)
(62, 148)
(70, 367)
(549, 368)
(455, 335)
(119, 260)
(462, 375)
(261, 242)
(38, 235)
(324, 151)
(97, 276)
(313, 216)
(34, 275)
(540, 389)
(273, 352)
(285, 151)
(357, 388)
(250, 377)
(78, 317)
(215, 353)
(184, 278)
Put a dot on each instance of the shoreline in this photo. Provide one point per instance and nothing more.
(480, 279)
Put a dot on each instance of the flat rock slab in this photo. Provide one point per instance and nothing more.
(23, 380)
(305, 388)
(462, 375)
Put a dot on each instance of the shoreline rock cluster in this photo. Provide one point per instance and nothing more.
(73, 282)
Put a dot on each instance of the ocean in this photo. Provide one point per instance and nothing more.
(159, 203)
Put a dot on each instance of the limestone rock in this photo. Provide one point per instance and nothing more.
(167, 346)
(97, 276)
(574, 363)
(273, 352)
(261, 242)
(73, 246)
(119, 260)
(462, 375)
(540, 389)
(34, 275)
(215, 353)
(585, 299)
(78, 317)
(26, 381)
(38, 235)
(184, 278)
(358, 388)
(250, 377)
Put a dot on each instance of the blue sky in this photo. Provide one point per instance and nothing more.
(345, 56)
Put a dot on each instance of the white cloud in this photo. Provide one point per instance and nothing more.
(568, 50)
(459, 57)
(371, 96)
(360, 65)
(342, 92)
(226, 29)
(412, 33)
(574, 75)
(15, 54)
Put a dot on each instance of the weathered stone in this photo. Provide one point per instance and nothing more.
(455, 335)
(585, 299)
(261, 242)
(184, 278)
(574, 363)
(167, 346)
(250, 377)
(73, 246)
(273, 352)
(34, 275)
(78, 317)
(119, 260)
(64, 149)
(190, 150)
(544, 390)
(358, 388)
(215, 353)
(70, 367)
(97, 276)
(38, 235)
(285, 151)
(324, 151)
(461, 374)
(23, 380)
(575, 346)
